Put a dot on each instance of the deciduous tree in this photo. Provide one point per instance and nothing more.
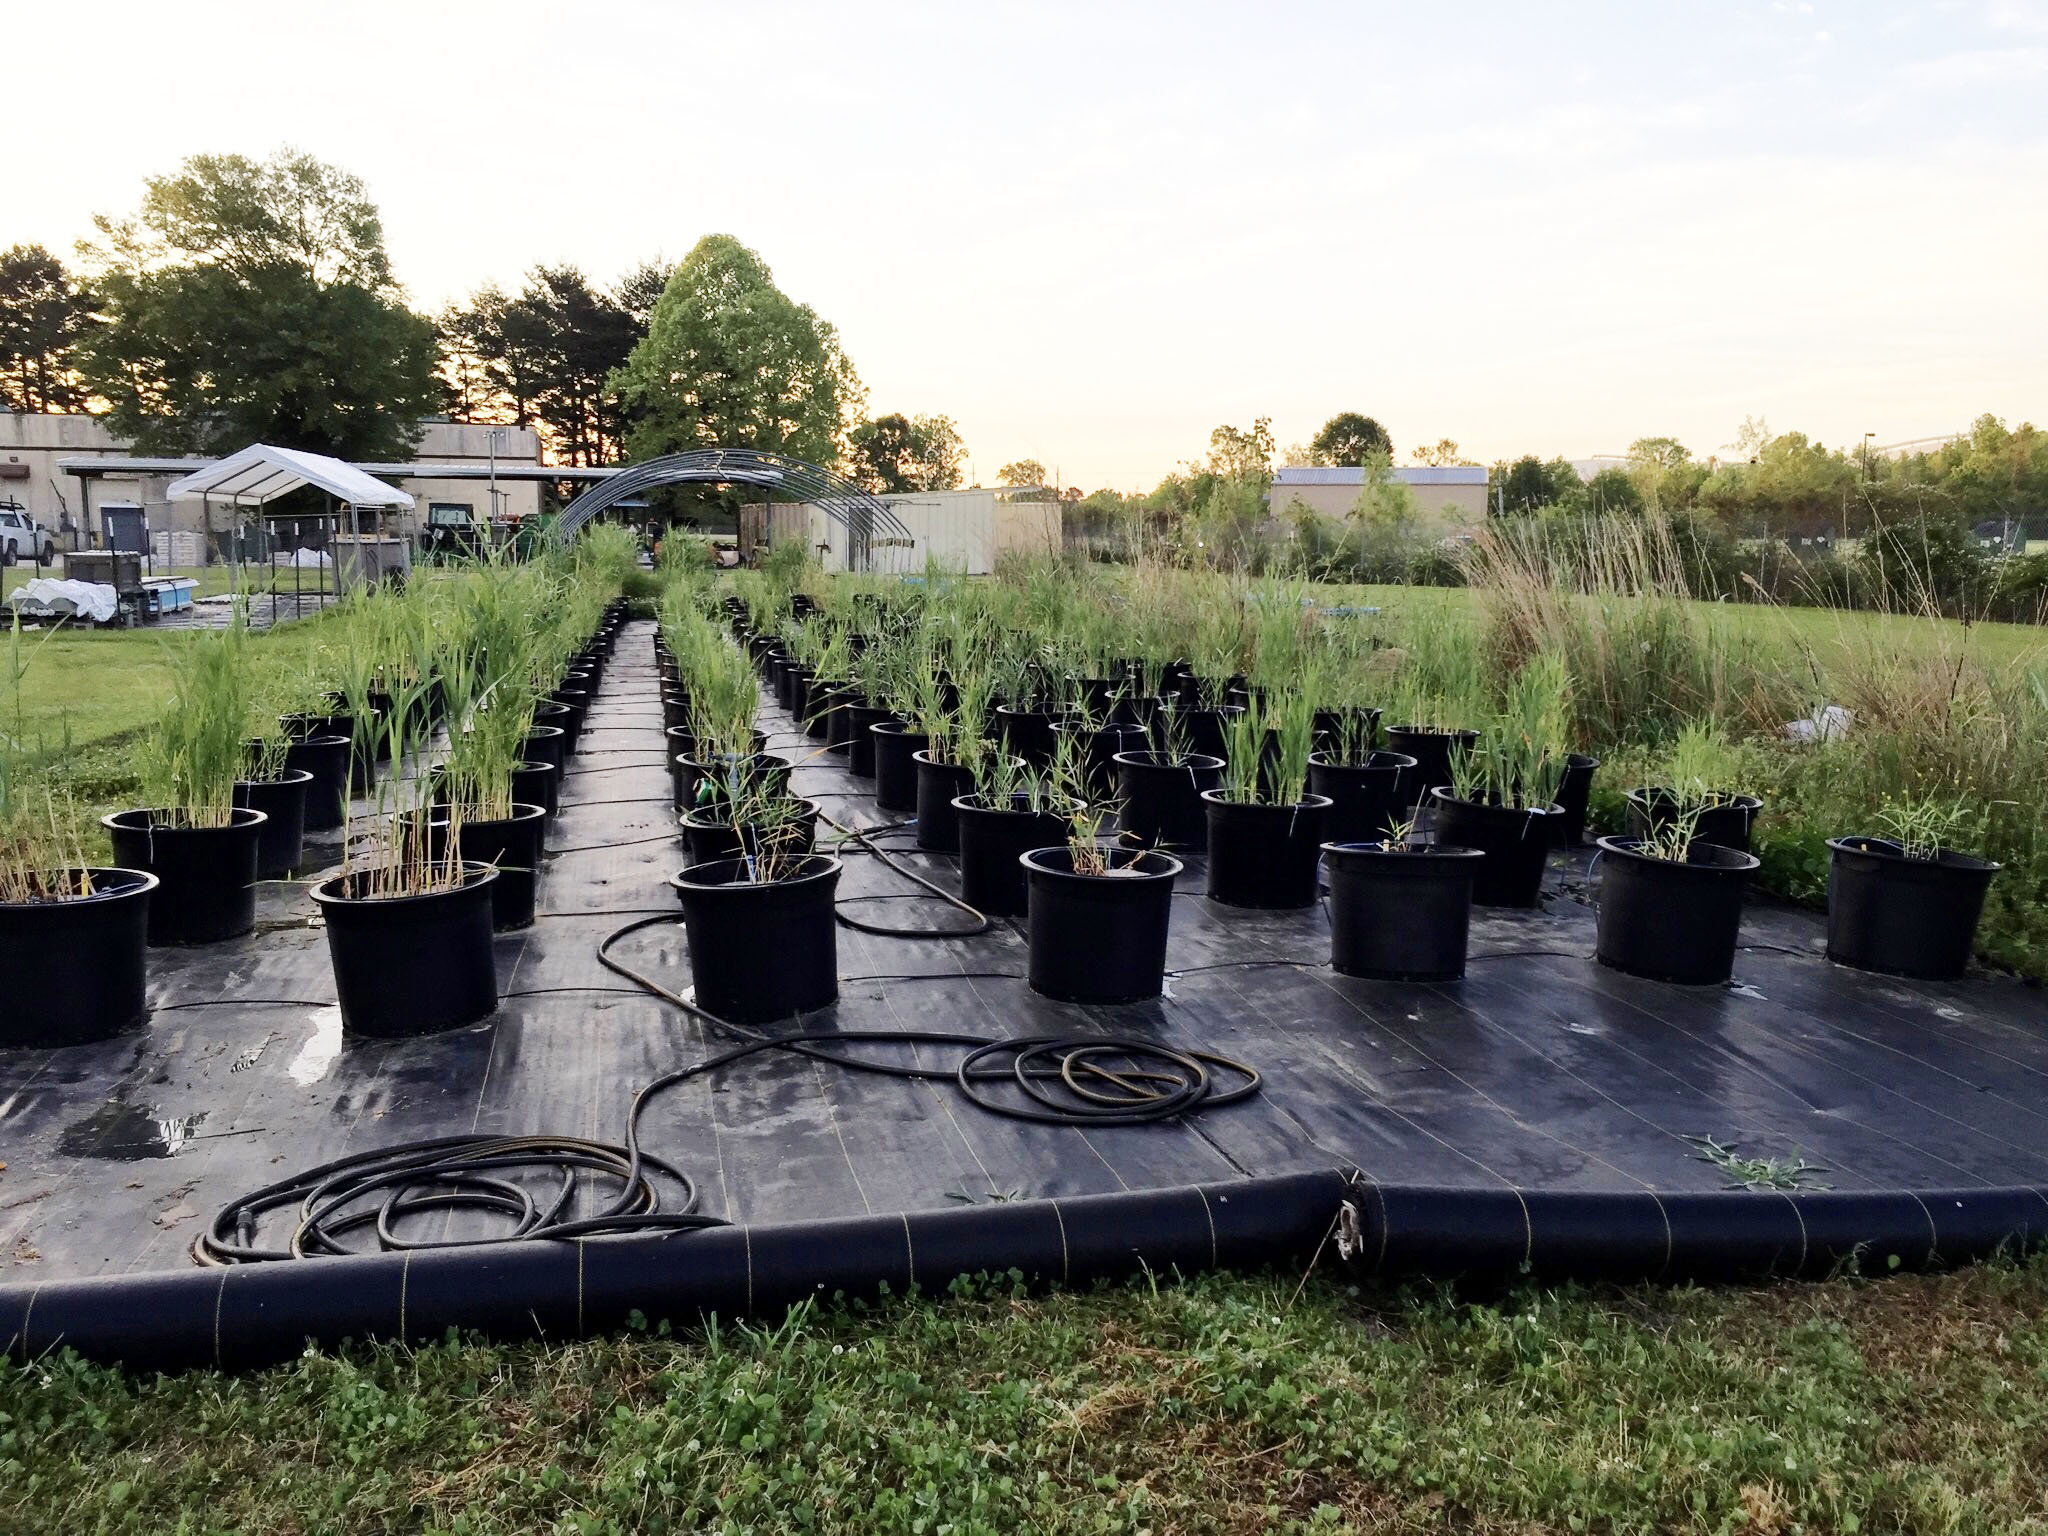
(1347, 438)
(730, 360)
(253, 301)
(906, 453)
(44, 316)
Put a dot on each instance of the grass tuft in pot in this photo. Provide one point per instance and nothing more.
(1503, 788)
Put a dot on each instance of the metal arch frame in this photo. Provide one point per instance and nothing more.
(860, 513)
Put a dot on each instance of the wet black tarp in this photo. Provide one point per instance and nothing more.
(1541, 1071)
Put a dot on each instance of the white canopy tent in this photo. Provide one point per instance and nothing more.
(261, 473)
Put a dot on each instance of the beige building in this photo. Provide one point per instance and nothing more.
(965, 531)
(67, 471)
(1453, 496)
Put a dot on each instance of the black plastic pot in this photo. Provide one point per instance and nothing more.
(537, 784)
(1200, 731)
(1400, 915)
(993, 842)
(1365, 798)
(1161, 799)
(938, 786)
(839, 718)
(706, 781)
(76, 970)
(1098, 751)
(543, 744)
(305, 725)
(558, 716)
(512, 845)
(1726, 824)
(411, 965)
(577, 703)
(208, 874)
(1516, 844)
(1264, 855)
(760, 952)
(326, 759)
(860, 745)
(281, 839)
(1431, 750)
(1903, 916)
(895, 772)
(1099, 938)
(1026, 733)
(1330, 726)
(1667, 920)
(709, 837)
(1573, 790)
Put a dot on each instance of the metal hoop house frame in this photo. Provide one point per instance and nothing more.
(862, 515)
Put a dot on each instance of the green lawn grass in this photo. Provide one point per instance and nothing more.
(1223, 1404)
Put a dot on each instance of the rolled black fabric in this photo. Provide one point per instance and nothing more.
(244, 1316)
(1496, 1234)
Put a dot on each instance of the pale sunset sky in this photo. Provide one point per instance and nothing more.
(1090, 233)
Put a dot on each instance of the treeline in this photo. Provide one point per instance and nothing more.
(1784, 519)
(254, 301)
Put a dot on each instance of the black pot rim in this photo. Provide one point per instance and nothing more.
(1146, 758)
(1307, 802)
(894, 728)
(1412, 853)
(1396, 762)
(328, 892)
(1725, 861)
(140, 883)
(523, 766)
(817, 867)
(923, 755)
(545, 730)
(1446, 731)
(1031, 862)
(971, 803)
(1891, 852)
(1443, 793)
(319, 741)
(289, 776)
(695, 821)
(522, 812)
(117, 821)
(1728, 801)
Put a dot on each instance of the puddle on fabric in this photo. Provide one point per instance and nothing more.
(318, 1055)
(117, 1132)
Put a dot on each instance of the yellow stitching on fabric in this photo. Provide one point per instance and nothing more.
(220, 1295)
(1066, 1262)
(1670, 1245)
(1214, 1261)
(1528, 1232)
(579, 1285)
(404, 1288)
(1386, 1224)
(1804, 1241)
(28, 1316)
(909, 1252)
(747, 1237)
(1933, 1232)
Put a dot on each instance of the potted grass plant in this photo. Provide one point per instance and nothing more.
(1907, 904)
(1362, 783)
(878, 668)
(477, 814)
(1097, 915)
(409, 921)
(1439, 691)
(1400, 908)
(1702, 764)
(1671, 904)
(1012, 809)
(1094, 723)
(762, 930)
(1159, 791)
(1266, 830)
(73, 937)
(1503, 789)
(955, 745)
(727, 755)
(269, 784)
(190, 833)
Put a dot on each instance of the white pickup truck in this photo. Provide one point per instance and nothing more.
(22, 538)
